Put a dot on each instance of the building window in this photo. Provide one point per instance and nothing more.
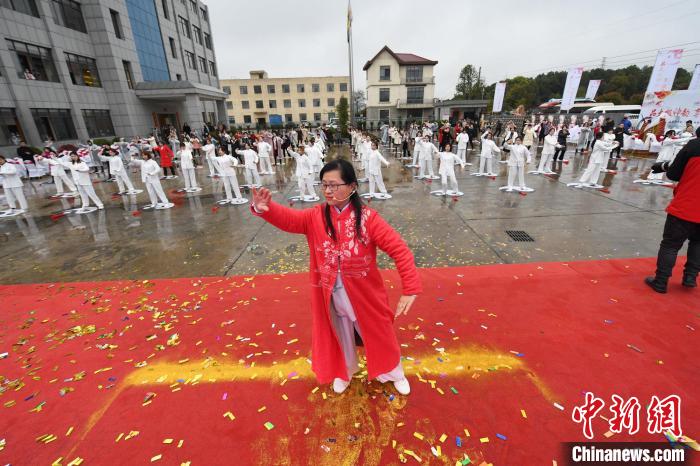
(288, 118)
(258, 104)
(28, 7)
(257, 89)
(190, 60)
(205, 17)
(116, 24)
(384, 114)
(178, 77)
(231, 120)
(128, 74)
(331, 102)
(173, 47)
(317, 102)
(202, 65)
(285, 88)
(67, 13)
(98, 123)
(330, 87)
(227, 89)
(343, 87)
(287, 103)
(33, 62)
(10, 131)
(207, 41)
(229, 105)
(331, 115)
(315, 88)
(270, 88)
(384, 94)
(247, 119)
(184, 27)
(414, 74)
(197, 35)
(302, 102)
(56, 124)
(414, 94)
(83, 70)
(193, 5)
(243, 89)
(212, 68)
(272, 104)
(166, 13)
(317, 117)
(245, 104)
(302, 117)
(300, 88)
(385, 73)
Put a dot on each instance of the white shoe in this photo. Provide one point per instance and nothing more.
(339, 385)
(100, 207)
(402, 386)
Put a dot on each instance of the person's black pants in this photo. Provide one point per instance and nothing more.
(405, 149)
(559, 153)
(676, 232)
(617, 149)
(172, 170)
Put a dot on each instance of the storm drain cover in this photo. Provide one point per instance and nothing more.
(519, 235)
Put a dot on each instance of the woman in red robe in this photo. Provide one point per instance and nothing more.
(347, 290)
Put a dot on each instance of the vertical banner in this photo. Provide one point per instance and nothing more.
(498, 95)
(664, 71)
(592, 90)
(573, 79)
(695, 80)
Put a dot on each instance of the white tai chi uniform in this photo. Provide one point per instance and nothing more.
(119, 172)
(150, 175)
(462, 141)
(315, 157)
(13, 186)
(517, 158)
(426, 159)
(374, 172)
(187, 167)
(447, 170)
(548, 149)
(264, 151)
(417, 145)
(59, 177)
(81, 175)
(669, 149)
(488, 148)
(304, 173)
(250, 160)
(210, 155)
(226, 165)
(599, 156)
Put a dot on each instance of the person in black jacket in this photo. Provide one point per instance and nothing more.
(683, 219)
(561, 143)
(619, 133)
(25, 152)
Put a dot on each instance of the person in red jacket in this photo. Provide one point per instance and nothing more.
(166, 160)
(683, 219)
(347, 290)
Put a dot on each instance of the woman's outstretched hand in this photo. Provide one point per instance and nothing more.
(261, 199)
(404, 304)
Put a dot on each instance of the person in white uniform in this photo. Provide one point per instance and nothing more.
(425, 160)
(375, 160)
(12, 184)
(599, 157)
(315, 156)
(209, 150)
(488, 149)
(304, 174)
(59, 177)
(669, 148)
(264, 152)
(462, 141)
(150, 175)
(226, 165)
(548, 149)
(250, 163)
(81, 175)
(448, 160)
(518, 156)
(417, 145)
(188, 171)
(119, 172)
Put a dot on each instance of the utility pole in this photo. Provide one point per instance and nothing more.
(602, 63)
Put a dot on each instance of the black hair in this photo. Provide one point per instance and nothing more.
(670, 133)
(697, 132)
(3, 157)
(599, 135)
(347, 174)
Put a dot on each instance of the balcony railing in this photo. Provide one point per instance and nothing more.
(422, 80)
(415, 103)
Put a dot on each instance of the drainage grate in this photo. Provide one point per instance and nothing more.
(519, 235)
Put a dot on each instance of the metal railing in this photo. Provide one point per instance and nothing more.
(415, 103)
(423, 80)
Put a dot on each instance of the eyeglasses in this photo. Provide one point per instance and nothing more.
(332, 187)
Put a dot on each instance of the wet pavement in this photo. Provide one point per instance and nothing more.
(199, 238)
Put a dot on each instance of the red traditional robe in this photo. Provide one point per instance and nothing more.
(361, 279)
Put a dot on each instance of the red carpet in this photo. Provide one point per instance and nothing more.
(491, 350)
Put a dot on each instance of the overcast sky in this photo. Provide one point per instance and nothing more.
(290, 38)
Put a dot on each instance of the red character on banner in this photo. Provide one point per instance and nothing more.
(585, 414)
(664, 415)
(625, 415)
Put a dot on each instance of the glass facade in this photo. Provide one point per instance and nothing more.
(148, 39)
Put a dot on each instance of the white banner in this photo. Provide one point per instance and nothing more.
(664, 71)
(573, 79)
(695, 80)
(498, 95)
(677, 107)
(592, 90)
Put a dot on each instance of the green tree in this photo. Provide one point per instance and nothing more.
(469, 84)
(613, 96)
(342, 111)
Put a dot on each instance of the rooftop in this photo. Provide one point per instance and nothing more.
(402, 58)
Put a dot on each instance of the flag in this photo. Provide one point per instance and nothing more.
(349, 21)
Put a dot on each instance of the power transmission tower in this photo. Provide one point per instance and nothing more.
(602, 63)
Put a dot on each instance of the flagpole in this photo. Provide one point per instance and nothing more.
(352, 87)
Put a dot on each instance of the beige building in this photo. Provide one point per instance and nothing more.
(264, 101)
(400, 87)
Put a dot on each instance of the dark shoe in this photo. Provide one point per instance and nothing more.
(656, 285)
(689, 281)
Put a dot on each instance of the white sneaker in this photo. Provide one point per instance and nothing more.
(100, 207)
(339, 385)
(402, 386)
